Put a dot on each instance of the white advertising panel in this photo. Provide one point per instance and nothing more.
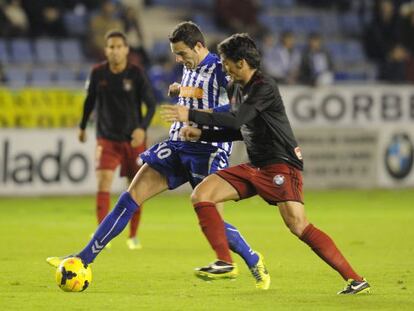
(52, 161)
(355, 106)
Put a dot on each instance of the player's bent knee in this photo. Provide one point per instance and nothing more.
(297, 226)
(200, 195)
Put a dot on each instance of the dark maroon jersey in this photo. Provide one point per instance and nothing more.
(260, 116)
(117, 99)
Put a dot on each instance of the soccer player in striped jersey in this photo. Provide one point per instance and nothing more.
(171, 163)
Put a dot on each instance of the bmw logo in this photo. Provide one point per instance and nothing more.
(399, 156)
(279, 180)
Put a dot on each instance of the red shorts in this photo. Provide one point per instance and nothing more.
(274, 183)
(110, 154)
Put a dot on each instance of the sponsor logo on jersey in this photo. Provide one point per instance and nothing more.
(191, 92)
(279, 180)
(127, 84)
(298, 153)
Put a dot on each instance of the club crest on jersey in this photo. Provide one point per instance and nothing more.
(298, 153)
(127, 85)
(279, 180)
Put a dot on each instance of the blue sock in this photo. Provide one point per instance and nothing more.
(238, 245)
(110, 227)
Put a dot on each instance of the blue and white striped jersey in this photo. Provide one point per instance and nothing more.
(203, 88)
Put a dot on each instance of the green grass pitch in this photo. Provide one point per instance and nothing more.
(374, 229)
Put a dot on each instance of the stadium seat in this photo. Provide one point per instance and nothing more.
(160, 49)
(21, 51)
(204, 4)
(66, 76)
(353, 52)
(172, 3)
(76, 24)
(70, 51)
(336, 48)
(45, 51)
(329, 23)
(311, 23)
(205, 22)
(41, 77)
(4, 54)
(269, 4)
(269, 21)
(16, 77)
(84, 73)
(350, 24)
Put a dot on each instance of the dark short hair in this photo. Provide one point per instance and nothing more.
(187, 32)
(240, 46)
(116, 34)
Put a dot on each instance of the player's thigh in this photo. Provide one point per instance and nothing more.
(104, 179)
(130, 162)
(214, 189)
(294, 216)
(147, 183)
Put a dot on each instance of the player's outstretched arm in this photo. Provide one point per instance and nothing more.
(193, 134)
(173, 113)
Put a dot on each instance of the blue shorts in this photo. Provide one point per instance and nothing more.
(181, 161)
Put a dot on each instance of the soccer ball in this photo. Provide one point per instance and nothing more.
(73, 276)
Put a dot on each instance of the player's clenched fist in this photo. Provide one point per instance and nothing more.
(137, 137)
(174, 89)
(173, 113)
(190, 133)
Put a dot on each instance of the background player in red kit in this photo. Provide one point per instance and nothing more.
(117, 90)
(274, 171)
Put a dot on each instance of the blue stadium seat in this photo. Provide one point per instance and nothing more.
(172, 3)
(350, 23)
(204, 4)
(4, 54)
(70, 51)
(269, 21)
(350, 75)
(66, 76)
(41, 77)
(269, 4)
(84, 73)
(286, 22)
(45, 51)
(286, 3)
(336, 48)
(329, 23)
(160, 49)
(205, 22)
(21, 51)
(346, 52)
(16, 77)
(312, 23)
(353, 52)
(76, 24)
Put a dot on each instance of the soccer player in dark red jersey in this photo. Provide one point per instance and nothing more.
(274, 171)
(117, 91)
